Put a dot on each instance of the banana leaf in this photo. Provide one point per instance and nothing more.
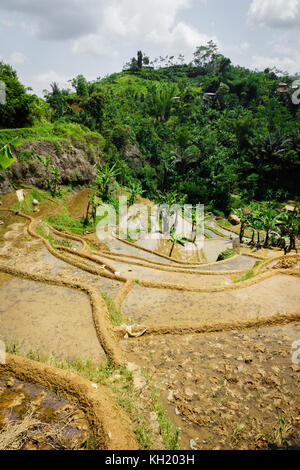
(6, 157)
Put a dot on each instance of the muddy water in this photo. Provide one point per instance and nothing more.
(226, 233)
(211, 233)
(279, 294)
(242, 263)
(124, 248)
(187, 253)
(193, 280)
(49, 319)
(18, 399)
(226, 390)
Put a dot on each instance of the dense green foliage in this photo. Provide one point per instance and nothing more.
(218, 134)
(279, 226)
(20, 108)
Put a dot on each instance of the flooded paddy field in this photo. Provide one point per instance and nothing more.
(280, 294)
(33, 418)
(50, 319)
(235, 389)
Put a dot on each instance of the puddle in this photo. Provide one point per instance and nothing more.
(67, 425)
(78, 202)
(49, 319)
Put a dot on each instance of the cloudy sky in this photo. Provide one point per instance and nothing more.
(56, 40)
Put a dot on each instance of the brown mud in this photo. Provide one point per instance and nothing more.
(189, 308)
(235, 390)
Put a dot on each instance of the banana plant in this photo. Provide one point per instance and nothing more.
(105, 180)
(269, 217)
(135, 189)
(289, 226)
(175, 239)
(243, 215)
(6, 156)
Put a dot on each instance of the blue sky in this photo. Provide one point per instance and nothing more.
(55, 41)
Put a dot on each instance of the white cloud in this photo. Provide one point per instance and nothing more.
(285, 64)
(275, 13)
(5, 21)
(44, 79)
(101, 26)
(146, 23)
(17, 58)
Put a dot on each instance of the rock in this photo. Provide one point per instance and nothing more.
(234, 220)
(35, 202)
(248, 359)
(193, 444)
(10, 382)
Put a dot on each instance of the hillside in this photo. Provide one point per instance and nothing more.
(211, 132)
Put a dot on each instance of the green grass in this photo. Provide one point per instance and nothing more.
(248, 275)
(170, 435)
(25, 155)
(26, 206)
(42, 231)
(56, 133)
(236, 229)
(283, 427)
(91, 246)
(85, 368)
(207, 235)
(63, 221)
(212, 229)
(203, 257)
(228, 253)
(115, 314)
